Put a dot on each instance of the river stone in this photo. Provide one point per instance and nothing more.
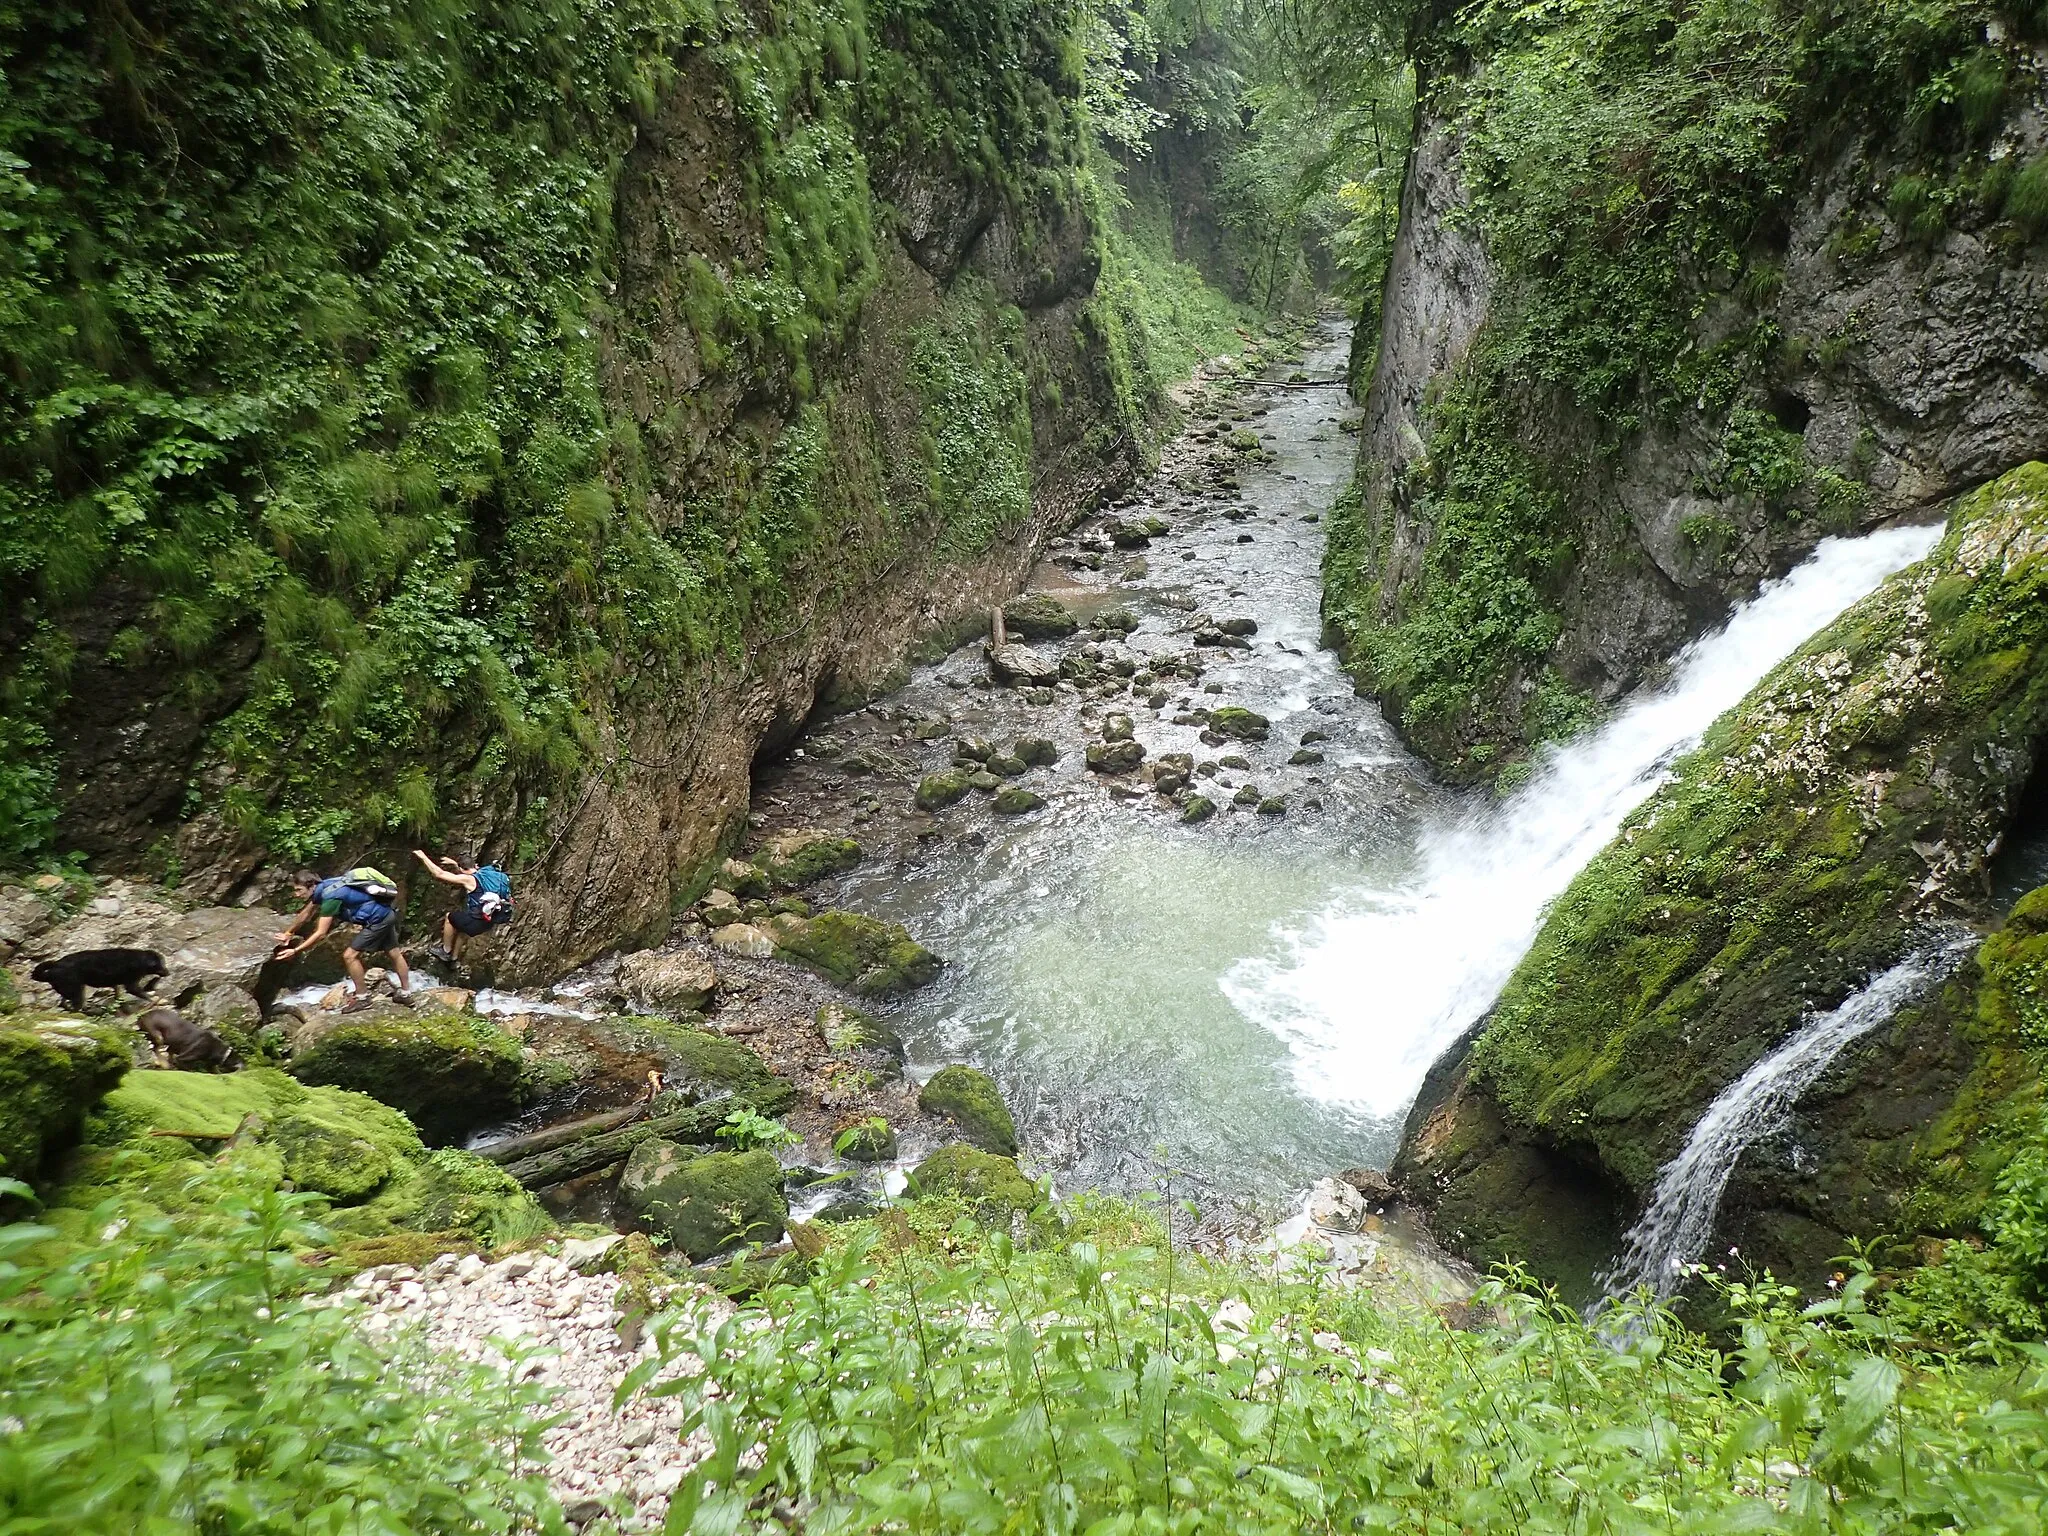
(448, 1072)
(984, 781)
(1199, 808)
(971, 1100)
(234, 1015)
(51, 1074)
(1244, 724)
(993, 1187)
(1311, 738)
(940, 790)
(1020, 664)
(848, 1032)
(745, 940)
(1115, 756)
(1212, 638)
(1016, 802)
(1114, 621)
(742, 879)
(1035, 752)
(1249, 795)
(1035, 616)
(1118, 728)
(706, 1203)
(1335, 1205)
(864, 954)
(1238, 628)
(667, 983)
(971, 749)
(1235, 760)
(215, 946)
(1305, 758)
(794, 859)
(868, 1140)
(1169, 784)
(1008, 767)
(1274, 805)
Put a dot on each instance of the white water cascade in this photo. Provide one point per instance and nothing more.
(1673, 1231)
(1375, 989)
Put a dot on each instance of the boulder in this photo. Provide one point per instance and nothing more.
(699, 1065)
(744, 940)
(1020, 665)
(51, 1074)
(449, 1073)
(1008, 767)
(213, 946)
(1118, 727)
(863, 954)
(861, 1037)
(446, 999)
(1273, 805)
(706, 1203)
(1198, 809)
(1035, 752)
(681, 982)
(1336, 1206)
(1114, 621)
(1016, 802)
(741, 879)
(229, 1012)
(971, 1100)
(719, 908)
(793, 859)
(1115, 756)
(993, 1187)
(868, 1140)
(1305, 757)
(1035, 616)
(984, 781)
(939, 790)
(1243, 724)
(1238, 628)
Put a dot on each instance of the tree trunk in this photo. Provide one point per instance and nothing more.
(601, 1148)
(513, 1148)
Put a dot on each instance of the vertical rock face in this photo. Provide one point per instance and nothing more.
(1851, 806)
(1855, 364)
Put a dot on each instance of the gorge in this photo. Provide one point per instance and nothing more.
(1245, 751)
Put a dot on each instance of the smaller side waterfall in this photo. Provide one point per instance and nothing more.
(1673, 1231)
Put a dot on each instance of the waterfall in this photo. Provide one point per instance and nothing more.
(1375, 989)
(1673, 1231)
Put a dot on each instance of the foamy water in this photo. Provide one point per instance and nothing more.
(1368, 994)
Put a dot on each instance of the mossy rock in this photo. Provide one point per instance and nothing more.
(1017, 802)
(1035, 616)
(993, 1187)
(863, 954)
(1198, 809)
(869, 1140)
(797, 858)
(1243, 724)
(971, 1100)
(1798, 852)
(449, 1072)
(702, 1065)
(938, 790)
(167, 1137)
(51, 1074)
(705, 1202)
(852, 1033)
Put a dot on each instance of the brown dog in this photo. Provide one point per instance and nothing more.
(177, 1042)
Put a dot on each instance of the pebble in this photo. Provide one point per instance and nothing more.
(625, 1462)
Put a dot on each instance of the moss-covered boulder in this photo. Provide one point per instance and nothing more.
(449, 1072)
(705, 1202)
(863, 954)
(51, 1074)
(870, 1139)
(1035, 616)
(1242, 724)
(793, 859)
(1849, 802)
(1017, 802)
(936, 791)
(994, 1187)
(167, 1138)
(861, 1037)
(701, 1065)
(971, 1100)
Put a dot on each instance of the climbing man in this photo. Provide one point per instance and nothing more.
(366, 897)
(487, 904)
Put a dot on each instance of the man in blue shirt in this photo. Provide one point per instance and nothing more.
(372, 910)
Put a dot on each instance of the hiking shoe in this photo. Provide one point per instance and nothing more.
(439, 952)
(402, 998)
(355, 1005)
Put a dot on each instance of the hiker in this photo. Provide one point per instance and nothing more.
(366, 897)
(487, 905)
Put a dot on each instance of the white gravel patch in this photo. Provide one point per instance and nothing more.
(533, 1314)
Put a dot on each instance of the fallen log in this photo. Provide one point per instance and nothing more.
(513, 1148)
(695, 1125)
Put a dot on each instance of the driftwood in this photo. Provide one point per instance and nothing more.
(695, 1125)
(533, 1143)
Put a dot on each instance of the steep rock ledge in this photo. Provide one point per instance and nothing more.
(1855, 798)
(1525, 543)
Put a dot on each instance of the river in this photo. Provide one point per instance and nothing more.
(1250, 1002)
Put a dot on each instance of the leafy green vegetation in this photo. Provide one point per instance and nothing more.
(1628, 163)
(929, 1377)
(170, 1378)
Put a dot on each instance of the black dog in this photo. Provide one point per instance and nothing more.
(99, 968)
(178, 1041)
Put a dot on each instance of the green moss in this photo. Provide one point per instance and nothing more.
(1243, 724)
(992, 1187)
(1035, 616)
(873, 958)
(795, 862)
(936, 791)
(449, 1072)
(708, 1064)
(706, 1203)
(1787, 861)
(971, 1100)
(51, 1076)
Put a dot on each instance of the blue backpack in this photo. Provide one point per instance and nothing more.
(357, 904)
(492, 898)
